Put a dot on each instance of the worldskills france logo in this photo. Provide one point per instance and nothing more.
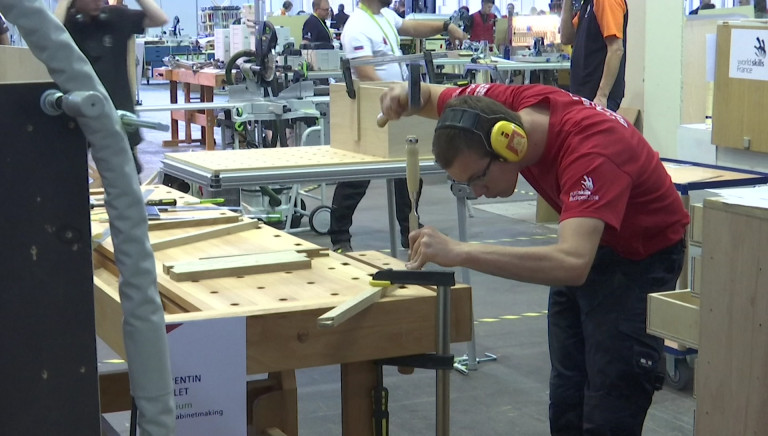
(747, 65)
(585, 193)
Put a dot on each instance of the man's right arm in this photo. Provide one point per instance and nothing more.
(394, 101)
(567, 30)
(154, 16)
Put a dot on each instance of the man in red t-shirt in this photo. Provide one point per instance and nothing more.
(620, 236)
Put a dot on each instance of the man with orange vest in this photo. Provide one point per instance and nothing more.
(483, 24)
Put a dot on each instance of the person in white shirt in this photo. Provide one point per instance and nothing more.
(374, 30)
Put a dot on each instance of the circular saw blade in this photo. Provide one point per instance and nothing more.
(268, 69)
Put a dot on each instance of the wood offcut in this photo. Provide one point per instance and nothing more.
(230, 266)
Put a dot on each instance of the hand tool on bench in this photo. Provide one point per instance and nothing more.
(412, 179)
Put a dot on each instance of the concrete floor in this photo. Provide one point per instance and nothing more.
(506, 396)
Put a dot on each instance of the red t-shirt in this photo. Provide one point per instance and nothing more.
(596, 165)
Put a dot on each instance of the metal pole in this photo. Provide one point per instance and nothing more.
(461, 211)
(443, 399)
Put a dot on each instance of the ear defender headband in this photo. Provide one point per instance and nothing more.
(503, 138)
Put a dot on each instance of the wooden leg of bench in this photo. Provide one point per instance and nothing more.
(357, 382)
(273, 404)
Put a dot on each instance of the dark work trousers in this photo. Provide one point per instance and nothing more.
(347, 196)
(605, 367)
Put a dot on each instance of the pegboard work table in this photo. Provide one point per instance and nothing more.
(281, 308)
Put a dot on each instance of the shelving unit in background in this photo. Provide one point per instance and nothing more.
(216, 17)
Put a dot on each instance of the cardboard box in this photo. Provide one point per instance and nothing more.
(633, 115)
(353, 124)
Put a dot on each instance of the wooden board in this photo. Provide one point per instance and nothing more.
(20, 65)
(690, 174)
(732, 368)
(696, 89)
(353, 124)
(228, 266)
(739, 104)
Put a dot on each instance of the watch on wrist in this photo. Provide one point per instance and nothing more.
(446, 24)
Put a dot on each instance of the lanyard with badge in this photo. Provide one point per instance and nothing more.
(324, 25)
(370, 14)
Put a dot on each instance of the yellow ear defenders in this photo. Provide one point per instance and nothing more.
(503, 138)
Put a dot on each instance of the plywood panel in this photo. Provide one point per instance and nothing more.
(732, 368)
(696, 89)
(739, 104)
(20, 65)
(353, 124)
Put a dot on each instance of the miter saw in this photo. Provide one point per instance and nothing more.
(263, 108)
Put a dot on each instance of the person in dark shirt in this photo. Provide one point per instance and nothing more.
(598, 35)
(102, 34)
(705, 4)
(315, 30)
(340, 18)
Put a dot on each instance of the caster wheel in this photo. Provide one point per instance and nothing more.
(682, 376)
(320, 219)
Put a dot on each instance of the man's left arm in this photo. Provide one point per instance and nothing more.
(153, 15)
(610, 16)
(425, 29)
(610, 69)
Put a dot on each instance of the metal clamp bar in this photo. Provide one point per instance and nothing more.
(395, 59)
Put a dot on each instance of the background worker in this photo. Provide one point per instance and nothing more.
(620, 237)
(482, 26)
(598, 35)
(102, 34)
(705, 4)
(315, 30)
(5, 33)
(374, 30)
(286, 9)
(340, 19)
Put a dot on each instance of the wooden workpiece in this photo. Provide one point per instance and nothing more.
(354, 123)
(282, 308)
(225, 266)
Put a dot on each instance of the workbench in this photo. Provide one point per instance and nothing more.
(208, 80)
(266, 166)
(498, 64)
(281, 310)
(693, 176)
